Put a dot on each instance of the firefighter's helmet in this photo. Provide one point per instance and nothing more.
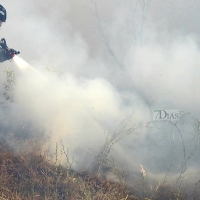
(3, 15)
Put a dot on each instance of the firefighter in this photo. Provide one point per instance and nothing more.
(5, 52)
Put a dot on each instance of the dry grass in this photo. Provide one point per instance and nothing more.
(29, 175)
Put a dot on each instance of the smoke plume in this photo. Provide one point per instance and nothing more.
(113, 63)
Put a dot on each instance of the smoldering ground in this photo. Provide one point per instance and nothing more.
(117, 60)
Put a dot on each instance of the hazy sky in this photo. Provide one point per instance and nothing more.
(117, 58)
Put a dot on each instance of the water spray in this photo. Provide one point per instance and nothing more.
(12, 54)
(25, 67)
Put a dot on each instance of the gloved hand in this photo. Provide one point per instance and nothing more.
(3, 44)
(7, 53)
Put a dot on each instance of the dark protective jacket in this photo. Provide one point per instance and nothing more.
(4, 55)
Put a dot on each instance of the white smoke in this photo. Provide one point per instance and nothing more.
(79, 111)
(113, 64)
